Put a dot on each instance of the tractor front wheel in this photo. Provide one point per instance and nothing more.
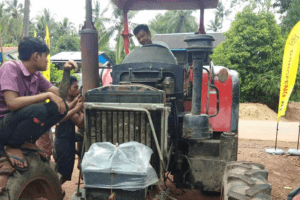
(245, 180)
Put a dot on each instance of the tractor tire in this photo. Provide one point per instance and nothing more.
(41, 181)
(245, 181)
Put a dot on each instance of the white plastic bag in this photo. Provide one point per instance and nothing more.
(118, 167)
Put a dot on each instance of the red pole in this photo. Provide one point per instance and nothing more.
(201, 27)
(125, 33)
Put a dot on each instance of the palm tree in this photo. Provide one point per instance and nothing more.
(13, 27)
(176, 21)
(215, 25)
(66, 27)
(99, 22)
(45, 18)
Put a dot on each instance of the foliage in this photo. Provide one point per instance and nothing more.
(220, 14)
(282, 4)
(175, 21)
(8, 45)
(67, 43)
(292, 17)
(12, 21)
(55, 74)
(254, 47)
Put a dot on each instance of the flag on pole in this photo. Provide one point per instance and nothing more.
(289, 68)
(46, 73)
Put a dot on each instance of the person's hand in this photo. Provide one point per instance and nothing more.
(71, 65)
(76, 99)
(59, 102)
(82, 98)
(79, 105)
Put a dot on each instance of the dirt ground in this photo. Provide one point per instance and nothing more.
(284, 170)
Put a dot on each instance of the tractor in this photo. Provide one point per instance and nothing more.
(186, 112)
(178, 104)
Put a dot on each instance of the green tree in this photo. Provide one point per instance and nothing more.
(292, 17)
(175, 21)
(220, 15)
(104, 33)
(43, 19)
(67, 43)
(66, 27)
(254, 47)
(282, 4)
(13, 26)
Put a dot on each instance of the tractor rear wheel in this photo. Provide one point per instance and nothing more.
(245, 180)
(41, 181)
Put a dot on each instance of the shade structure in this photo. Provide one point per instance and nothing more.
(165, 4)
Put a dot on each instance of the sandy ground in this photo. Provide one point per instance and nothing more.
(257, 130)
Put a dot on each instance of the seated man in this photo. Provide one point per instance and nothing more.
(24, 115)
(64, 145)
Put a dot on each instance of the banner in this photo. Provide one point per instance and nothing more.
(34, 33)
(289, 68)
(46, 73)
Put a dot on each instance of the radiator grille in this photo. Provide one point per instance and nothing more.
(123, 126)
(119, 127)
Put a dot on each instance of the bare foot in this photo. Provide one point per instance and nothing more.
(11, 152)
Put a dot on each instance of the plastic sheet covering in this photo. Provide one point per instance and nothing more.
(118, 167)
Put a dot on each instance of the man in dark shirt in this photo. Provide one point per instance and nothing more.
(64, 146)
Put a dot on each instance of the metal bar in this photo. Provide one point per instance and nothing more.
(104, 127)
(98, 128)
(197, 87)
(93, 128)
(148, 106)
(148, 135)
(137, 127)
(276, 136)
(131, 126)
(115, 127)
(126, 128)
(109, 127)
(120, 121)
(151, 125)
(125, 33)
(143, 129)
(87, 135)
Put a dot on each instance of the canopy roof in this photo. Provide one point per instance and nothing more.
(164, 4)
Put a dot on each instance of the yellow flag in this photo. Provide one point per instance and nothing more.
(289, 68)
(34, 33)
(46, 73)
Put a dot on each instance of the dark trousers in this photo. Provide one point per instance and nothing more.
(64, 155)
(28, 124)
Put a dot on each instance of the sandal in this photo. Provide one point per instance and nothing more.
(20, 169)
